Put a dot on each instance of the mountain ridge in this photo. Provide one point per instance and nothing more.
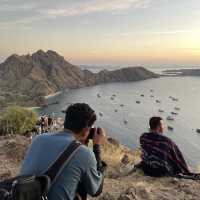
(44, 73)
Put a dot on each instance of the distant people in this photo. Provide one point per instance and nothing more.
(46, 125)
(84, 173)
(160, 155)
(42, 124)
(38, 126)
(50, 123)
(55, 126)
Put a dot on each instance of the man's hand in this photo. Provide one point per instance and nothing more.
(99, 136)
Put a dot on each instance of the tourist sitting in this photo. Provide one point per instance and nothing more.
(160, 155)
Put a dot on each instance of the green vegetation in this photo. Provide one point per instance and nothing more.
(17, 120)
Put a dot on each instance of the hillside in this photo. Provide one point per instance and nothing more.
(121, 182)
(27, 79)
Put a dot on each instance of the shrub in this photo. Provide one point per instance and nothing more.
(17, 120)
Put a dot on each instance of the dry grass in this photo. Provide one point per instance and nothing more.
(112, 154)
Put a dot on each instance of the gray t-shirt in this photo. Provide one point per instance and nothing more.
(46, 148)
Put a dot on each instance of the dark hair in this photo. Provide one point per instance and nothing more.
(154, 122)
(79, 116)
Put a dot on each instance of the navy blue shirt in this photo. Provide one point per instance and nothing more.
(46, 148)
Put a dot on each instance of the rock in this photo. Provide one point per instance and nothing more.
(113, 141)
(129, 194)
(126, 169)
(125, 160)
(107, 196)
(5, 175)
(135, 193)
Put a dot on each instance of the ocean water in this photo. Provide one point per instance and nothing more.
(185, 89)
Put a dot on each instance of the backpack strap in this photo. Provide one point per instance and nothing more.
(56, 168)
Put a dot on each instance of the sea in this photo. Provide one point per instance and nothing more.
(124, 109)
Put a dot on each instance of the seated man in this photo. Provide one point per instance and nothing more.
(84, 171)
(160, 155)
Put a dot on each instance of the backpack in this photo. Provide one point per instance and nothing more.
(31, 187)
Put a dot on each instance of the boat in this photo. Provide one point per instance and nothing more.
(174, 113)
(53, 103)
(170, 118)
(101, 114)
(151, 90)
(142, 95)
(98, 95)
(170, 128)
(138, 102)
(176, 108)
(125, 122)
(112, 98)
(152, 96)
(198, 130)
(174, 99)
(158, 101)
(114, 95)
(121, 105)
(116, 110)
(161, 111)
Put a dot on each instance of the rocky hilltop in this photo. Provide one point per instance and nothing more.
(122, 182)
(28, 78)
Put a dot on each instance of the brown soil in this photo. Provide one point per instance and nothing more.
(122, 182)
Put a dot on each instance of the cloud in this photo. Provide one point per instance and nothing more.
(17, 7)
(95, 6)
(23, 23)
(25, 13)
(171, 32)
(21, 27)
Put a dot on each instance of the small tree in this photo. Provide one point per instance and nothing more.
(17, 120)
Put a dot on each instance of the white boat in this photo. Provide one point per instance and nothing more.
(174, 99)
(198, 130)
(170, 128)
(176, 108)
(174, 113)
(125, 122)
(158, 101)
(170, 118)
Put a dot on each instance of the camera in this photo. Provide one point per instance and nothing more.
(92, 132)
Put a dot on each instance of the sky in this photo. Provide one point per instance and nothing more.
(104, 32)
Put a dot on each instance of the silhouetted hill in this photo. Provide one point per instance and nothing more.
(30, 77)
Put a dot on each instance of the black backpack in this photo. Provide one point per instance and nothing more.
(33, 187)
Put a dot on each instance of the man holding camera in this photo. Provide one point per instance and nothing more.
(84, 173)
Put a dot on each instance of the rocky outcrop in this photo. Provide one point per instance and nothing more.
(43, 73)
(182, 72)
(124, 75)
